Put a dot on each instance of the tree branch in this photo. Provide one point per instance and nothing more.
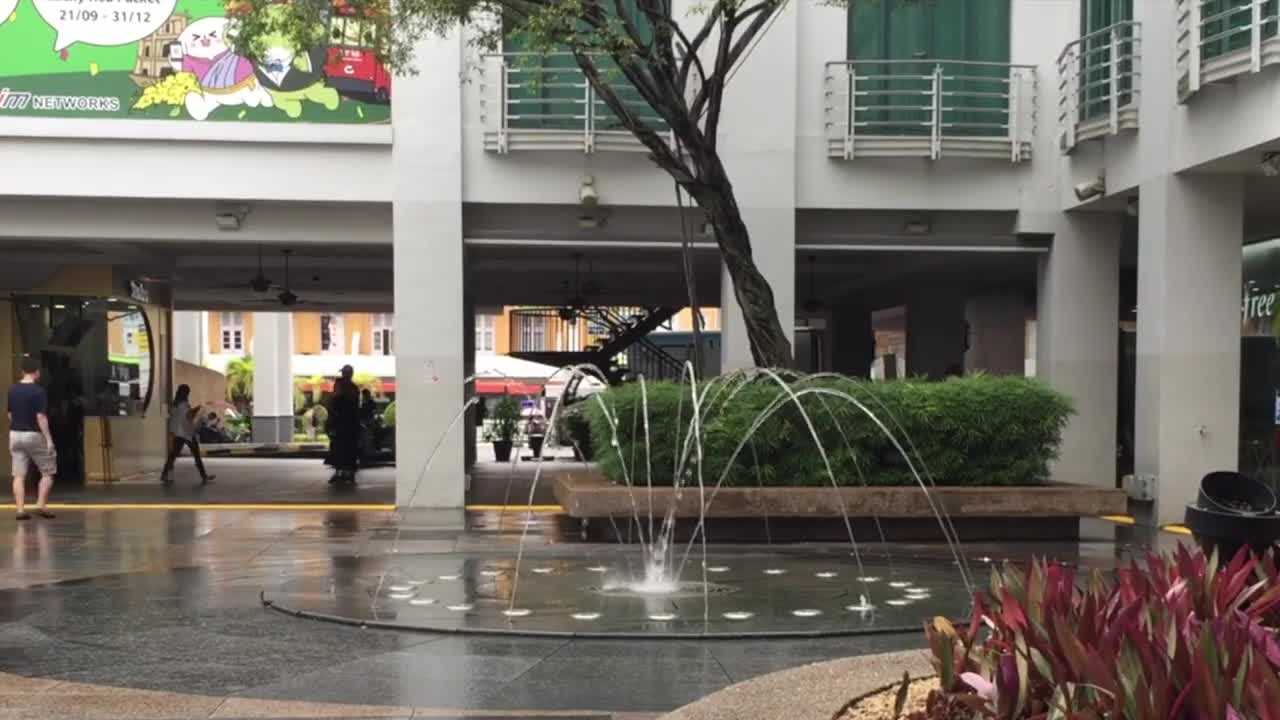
(661, 152)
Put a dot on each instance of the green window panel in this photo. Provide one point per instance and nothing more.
(549, 92)
(1095, 56)
(923, 36)
(1225, 25)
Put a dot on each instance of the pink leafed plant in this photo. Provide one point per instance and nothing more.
(1176, 637)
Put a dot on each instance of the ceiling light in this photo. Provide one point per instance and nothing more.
(1270, 165)
(1095, 188)
(587, 196)
(230, 217)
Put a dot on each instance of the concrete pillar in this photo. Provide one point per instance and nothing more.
(469, 370)
(997, 323)
(935, 333)
(758, 145)
(1077, 341)
(427, 228)
(853, 342)
(272, 377)
(1187, 413)
(188, 342)
(9, 370)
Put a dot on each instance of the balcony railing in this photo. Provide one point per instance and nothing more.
(534, 101)
(1219, 39)
(930, 108)
(1098, 84)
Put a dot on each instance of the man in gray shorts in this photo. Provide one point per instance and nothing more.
(30, 439)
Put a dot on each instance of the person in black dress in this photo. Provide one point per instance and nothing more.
(344, 431)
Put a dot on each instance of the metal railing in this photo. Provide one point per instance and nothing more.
(1098, 84)
(546, 331)
(1219, 39)
(930, 108)
(535, 101)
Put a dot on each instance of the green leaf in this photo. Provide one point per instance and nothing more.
(901, 700)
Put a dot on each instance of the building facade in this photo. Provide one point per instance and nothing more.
(1057, 186)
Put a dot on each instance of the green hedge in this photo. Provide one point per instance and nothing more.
(979, 430)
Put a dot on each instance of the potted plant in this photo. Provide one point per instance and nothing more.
(502, 432)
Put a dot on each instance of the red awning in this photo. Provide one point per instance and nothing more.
(504, 387)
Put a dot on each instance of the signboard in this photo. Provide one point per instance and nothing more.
(169, 60)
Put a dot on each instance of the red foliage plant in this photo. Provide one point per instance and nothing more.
(1178, 637)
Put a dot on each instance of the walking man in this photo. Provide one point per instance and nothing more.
(30, 439)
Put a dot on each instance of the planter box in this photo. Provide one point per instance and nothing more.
(1040, 512)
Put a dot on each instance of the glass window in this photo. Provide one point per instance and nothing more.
(232, 332)
(383, 333)
(97, 354)
(485, 334)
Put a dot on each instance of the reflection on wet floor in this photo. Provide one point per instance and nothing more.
(170, 601)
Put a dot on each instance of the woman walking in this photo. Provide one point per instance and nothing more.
(182, 433)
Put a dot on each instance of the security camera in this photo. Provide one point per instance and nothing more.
(587, 196)
(1089, 190)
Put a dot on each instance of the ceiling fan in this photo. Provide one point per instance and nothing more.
(259, 283)
(578, 291)
(286, 297)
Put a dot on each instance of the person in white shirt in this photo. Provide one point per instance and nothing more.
(182, 433)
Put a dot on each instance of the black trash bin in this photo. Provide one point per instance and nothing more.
(1232, 511)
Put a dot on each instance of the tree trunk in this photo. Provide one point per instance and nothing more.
(770, 346)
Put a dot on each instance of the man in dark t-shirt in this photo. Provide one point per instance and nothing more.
(29, 438)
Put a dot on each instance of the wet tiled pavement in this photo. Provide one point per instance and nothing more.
(170, 601)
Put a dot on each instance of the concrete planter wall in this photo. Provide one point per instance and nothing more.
(1041, 512)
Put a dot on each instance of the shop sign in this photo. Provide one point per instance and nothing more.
(170, 60)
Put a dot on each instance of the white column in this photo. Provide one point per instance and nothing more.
(1077, 341)
(1187, 416)
(997, 332)
(758, 145)
(187, 337)
(272, 377)
(427, 225)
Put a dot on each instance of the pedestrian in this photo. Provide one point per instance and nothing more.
(182, 433)
(344, 430)
(30, 440)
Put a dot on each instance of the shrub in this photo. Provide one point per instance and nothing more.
(1177, 638)
(980, 430)
(389, 415)
(506, 420)
(573, 428)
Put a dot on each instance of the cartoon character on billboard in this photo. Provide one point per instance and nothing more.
(292, 74)
(225, 78)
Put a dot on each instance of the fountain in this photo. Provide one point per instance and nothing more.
(660, 587)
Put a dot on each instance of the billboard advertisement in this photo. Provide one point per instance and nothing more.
(171, 60)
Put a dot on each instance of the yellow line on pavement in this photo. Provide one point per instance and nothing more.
(516, 508)
(1120, 519)
(211, 506)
